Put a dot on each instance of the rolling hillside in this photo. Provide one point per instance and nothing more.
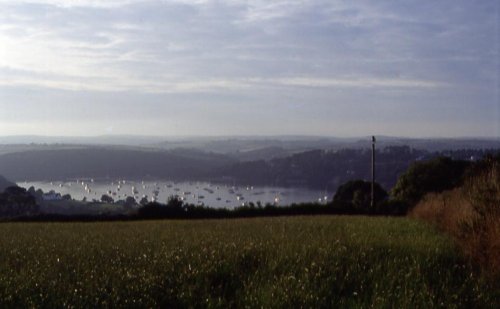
(102, 162)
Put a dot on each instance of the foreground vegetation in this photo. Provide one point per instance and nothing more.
(313, 261)
(325, 261)
(471, 215)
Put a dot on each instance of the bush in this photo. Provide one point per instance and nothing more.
(391, 207)
(471, 214)
(355, 196)
(107, 199)
(481, 231)
(435, 175)
(16, 201)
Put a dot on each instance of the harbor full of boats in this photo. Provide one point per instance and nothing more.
(197, 193)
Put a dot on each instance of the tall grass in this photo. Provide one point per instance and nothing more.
(312, 262)
(471, 214)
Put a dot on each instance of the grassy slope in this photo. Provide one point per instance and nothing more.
(311, 261)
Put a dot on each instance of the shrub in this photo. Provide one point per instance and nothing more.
(16, 201)
(107, 199)
(355, 196)
(471, 214)
(435, 175)
(391, 207)
(481, 231)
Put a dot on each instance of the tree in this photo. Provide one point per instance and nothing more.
(435, 175)
(107, 199)
(144, 201)
(130, 202)
(32, 191)
(39, 192)
(355, 196)
(174, 202)
(15, 191)
(16, 201)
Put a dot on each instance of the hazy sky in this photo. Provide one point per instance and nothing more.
(340, 68)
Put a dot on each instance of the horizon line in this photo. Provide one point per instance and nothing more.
(194, 136)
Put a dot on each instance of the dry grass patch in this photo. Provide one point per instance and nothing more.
(471, 214)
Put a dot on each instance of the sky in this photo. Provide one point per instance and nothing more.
(284, 67)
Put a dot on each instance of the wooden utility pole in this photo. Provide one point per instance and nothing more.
(372, 200)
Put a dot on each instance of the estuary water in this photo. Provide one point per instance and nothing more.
(197, 193)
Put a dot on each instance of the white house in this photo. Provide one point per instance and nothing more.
(52, 196)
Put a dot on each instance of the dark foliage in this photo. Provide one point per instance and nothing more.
(66, 197)
(173, 208)
(327, 170)
(356, 195)
(107, 199)
(155, 211)
(129, 202)
(187, 211)
(16, 201)
(144, 201)
(483, 165)
(435, 175)
(391, 208)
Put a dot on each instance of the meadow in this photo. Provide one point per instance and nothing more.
(308, 261)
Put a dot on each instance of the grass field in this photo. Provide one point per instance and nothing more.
(272, 262)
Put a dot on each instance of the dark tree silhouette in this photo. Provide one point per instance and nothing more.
(129, 202)
(16, 201)
(107, 199)
(144, 201)
(435, 175)
(355, 196)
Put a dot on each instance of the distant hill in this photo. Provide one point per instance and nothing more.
(130, 140)
(243, 148)
(4, 183)
(325, 170)
(328, 169)
(102, 162)
(320, 169)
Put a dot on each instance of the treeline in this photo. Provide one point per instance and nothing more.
(155, 211)
(327, 170)
(16, 201)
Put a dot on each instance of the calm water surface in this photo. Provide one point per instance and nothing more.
(198, 193)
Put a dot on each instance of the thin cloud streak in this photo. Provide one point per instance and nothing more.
(119, 83)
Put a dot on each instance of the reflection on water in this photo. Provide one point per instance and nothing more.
(198, 193)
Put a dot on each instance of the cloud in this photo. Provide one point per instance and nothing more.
(265, 50)
(166, 84)
(75, 3)
(357, 83)
(235, 40)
